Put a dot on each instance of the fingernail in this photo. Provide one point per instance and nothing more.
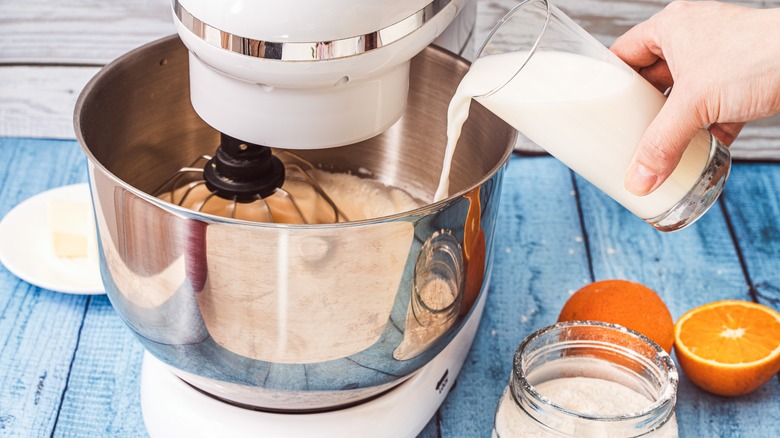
(640, 180)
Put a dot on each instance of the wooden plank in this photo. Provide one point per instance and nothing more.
(53, 163)
(700, 260)
(41, 330)
(103, 396)
(95, 32)
(759, 140)
(39, 101)
(431, 430)
(38, 334)
(605, 19)
(687, 268)
(537, 265)
(752, 201)
(38, 328)
(79, 31)
(539, 260)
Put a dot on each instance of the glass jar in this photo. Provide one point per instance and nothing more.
(589, 379)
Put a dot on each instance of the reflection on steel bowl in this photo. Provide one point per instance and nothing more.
(289, 317)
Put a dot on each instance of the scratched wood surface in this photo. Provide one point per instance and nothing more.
(49, 50)
(69, 366)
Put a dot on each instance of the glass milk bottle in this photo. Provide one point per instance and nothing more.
(560, 87)
(589, 379)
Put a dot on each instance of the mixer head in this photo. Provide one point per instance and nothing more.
(261, 69)
(251, 182)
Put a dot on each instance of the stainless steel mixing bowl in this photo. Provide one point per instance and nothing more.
(289, 317)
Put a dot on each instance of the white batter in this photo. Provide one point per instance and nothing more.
(358, 198)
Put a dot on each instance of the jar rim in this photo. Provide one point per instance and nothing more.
(665, 402)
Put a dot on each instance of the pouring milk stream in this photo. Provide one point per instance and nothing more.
(560, 87)
(587, 113)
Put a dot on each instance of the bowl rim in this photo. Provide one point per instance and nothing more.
(111, 68)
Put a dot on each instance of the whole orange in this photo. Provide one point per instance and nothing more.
(623, 302)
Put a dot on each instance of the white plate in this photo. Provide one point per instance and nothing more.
(25, 248)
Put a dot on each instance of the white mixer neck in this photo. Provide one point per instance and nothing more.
(301, 74)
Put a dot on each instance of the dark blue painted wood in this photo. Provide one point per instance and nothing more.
(688, 268)
(103, 389)
(752, 200)
(539, 259)
(69, 367)
(38, 329)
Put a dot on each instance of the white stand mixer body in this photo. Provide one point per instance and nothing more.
(308, 75)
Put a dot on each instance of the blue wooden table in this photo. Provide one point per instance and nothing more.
(69, 367)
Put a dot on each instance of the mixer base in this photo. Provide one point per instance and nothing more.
(172, 408)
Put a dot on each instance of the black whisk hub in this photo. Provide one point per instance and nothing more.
(243, 171)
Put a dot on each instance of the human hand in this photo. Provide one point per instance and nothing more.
(722, 63)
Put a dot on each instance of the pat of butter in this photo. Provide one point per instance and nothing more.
(71, 228)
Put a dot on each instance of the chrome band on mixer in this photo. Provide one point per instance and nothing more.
(308, 51)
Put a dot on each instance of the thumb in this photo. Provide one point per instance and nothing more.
(662, 145)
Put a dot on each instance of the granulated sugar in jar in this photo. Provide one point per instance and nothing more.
(589, 379)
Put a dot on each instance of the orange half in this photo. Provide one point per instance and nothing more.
(729, 347)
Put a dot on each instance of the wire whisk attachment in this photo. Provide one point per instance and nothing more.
(251, 182)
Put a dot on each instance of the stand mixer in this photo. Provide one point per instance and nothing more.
(293, 76)
(293, 329)
(306, 75)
